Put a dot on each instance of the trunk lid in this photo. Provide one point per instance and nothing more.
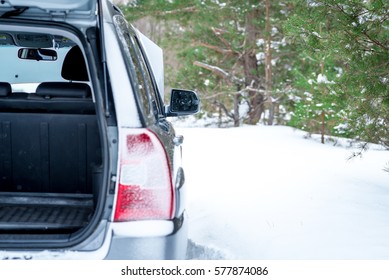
(76, 12)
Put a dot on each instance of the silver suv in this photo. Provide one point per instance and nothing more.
(90, 167)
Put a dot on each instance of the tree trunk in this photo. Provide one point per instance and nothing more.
(268, 66)
(220, 117)
(256, 99)
(236, 110)
(323, 114)
(323, 126)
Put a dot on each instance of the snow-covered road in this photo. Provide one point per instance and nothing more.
(268, 193)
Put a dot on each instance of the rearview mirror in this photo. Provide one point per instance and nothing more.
(37, 54)
(183, 102)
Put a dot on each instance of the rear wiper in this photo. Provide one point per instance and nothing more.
(13, 13)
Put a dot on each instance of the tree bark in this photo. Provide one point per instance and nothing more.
(268, 65)
(252, 80)
(323, 126)
(323, 114)
(236, 110)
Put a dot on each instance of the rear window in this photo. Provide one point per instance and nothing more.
(25, 73)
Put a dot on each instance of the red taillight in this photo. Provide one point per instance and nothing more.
(145, 188)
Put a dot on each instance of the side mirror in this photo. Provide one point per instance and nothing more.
(182, 103)
(37, 54)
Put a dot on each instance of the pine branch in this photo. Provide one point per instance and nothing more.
(376, 42)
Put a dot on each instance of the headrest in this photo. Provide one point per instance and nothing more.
(5, 89)
(63, 89)
(74, 67)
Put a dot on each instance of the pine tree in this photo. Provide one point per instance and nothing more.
(351, 37)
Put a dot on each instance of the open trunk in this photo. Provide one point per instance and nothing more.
(54, 151)
(50, 150)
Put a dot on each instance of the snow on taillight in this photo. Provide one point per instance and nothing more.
(145, 188)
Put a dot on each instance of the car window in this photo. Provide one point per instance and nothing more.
(155, 96)
(24, 73)
(138, 71)
(132, 63)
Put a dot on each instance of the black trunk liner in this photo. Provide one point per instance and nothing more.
(31, 211)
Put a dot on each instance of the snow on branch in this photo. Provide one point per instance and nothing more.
(257, 90)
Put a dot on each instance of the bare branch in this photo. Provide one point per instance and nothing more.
(224, 108)
(363, 148)
(250, 88)
(257, 90)
(178, 11)
(216, 48)
(214, 95)
(220, 72)
(218, 32)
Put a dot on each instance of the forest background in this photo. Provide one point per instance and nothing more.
(320, 66)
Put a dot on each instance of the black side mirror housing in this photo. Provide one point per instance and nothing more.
(183, 103)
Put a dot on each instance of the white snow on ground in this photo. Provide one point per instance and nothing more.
(260, 192)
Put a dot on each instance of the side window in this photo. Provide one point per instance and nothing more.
(156, 100)
(140, 77)
(132, 63)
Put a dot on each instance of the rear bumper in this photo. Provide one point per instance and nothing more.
(162, 240)
(143, 240)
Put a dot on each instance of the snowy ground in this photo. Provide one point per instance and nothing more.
(264, 192)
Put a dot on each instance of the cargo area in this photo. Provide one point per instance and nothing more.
(50, 151)
(50, 163)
